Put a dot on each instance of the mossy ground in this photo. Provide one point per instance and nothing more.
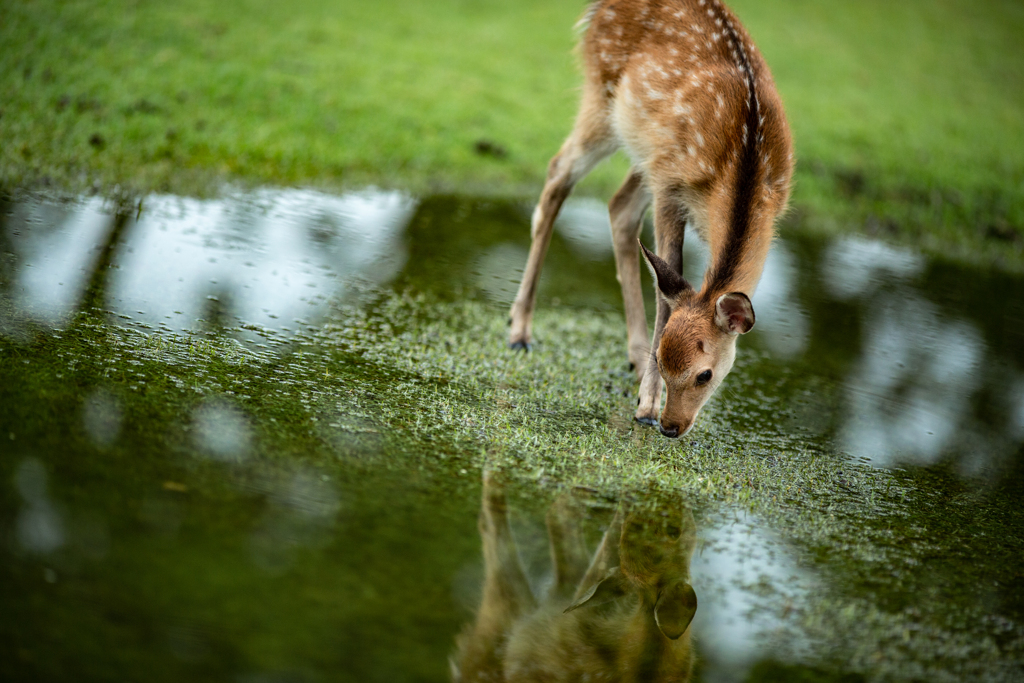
(906, 117)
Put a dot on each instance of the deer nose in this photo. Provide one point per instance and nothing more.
(670, 431)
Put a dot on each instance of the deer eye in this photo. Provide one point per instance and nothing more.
(703, 378)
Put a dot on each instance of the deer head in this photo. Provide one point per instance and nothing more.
(698, 345)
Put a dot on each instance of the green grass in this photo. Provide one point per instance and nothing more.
(907, 116)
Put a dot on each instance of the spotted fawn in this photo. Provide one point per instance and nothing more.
(680, 86)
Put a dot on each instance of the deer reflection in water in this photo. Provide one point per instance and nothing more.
(623, 615)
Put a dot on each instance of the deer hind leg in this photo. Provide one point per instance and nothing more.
(626, 211)
(669, 230)
(590, 142)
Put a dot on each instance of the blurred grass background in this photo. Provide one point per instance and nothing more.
(908, 117)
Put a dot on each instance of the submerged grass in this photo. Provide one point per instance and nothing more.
(905, 116)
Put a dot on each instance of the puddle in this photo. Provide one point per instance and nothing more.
(271, 259)
(245, 438)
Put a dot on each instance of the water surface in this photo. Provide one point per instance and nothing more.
(244, 438)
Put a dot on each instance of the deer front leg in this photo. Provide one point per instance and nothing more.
(506, 592)
(606, 557)
(669, 230)
(569, 556)
(649, 402)
(626, 211)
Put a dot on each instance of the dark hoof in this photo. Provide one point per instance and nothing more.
(520, 346)
(648, 421)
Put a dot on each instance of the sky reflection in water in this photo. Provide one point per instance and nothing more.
(273, 257)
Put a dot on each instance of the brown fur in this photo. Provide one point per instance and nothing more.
(625, 617)
(688, 333)
(681, 87)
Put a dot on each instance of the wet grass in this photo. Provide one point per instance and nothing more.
(905, 117)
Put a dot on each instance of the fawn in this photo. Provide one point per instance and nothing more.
(625, 617)
(680, 86)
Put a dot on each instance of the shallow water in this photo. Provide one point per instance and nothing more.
(244, 438)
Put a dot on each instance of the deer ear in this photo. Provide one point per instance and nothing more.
(675, 609)
(670, 283)
(734, 313)
(612, 586)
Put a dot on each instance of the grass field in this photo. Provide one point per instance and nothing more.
(908, 117)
